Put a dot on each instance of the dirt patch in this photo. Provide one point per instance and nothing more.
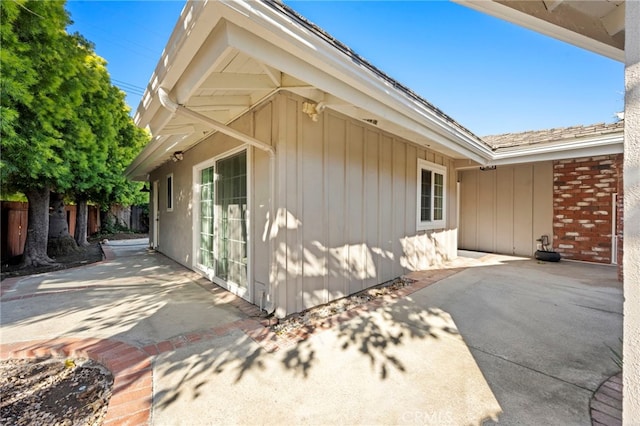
(83, 256)
(54, 391)
(312, 318)
(118, 236)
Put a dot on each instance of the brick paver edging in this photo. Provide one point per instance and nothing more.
(259, 330)
(130, 403)
(606, 403)
(107, 252)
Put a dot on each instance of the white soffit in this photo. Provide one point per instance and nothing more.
(596, 26)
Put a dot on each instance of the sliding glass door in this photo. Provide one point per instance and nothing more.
(222, 251)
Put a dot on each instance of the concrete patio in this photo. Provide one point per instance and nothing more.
(491, 338)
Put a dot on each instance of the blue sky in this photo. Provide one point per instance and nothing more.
(489, 75)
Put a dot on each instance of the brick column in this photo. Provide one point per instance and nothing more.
(583, 209)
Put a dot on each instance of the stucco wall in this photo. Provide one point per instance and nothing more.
(631, 373)
(346, 208)
(505, 210)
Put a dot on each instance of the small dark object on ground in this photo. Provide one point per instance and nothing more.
(547, 256)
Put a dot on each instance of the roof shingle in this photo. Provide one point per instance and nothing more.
(560, 134)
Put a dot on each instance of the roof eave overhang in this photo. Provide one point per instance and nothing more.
(327, 69)
(259, 30)
(584, 147)
(525, 20)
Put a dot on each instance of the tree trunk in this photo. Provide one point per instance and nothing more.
(35, 248)
(104, 224)
(81, 221)
(60, 241)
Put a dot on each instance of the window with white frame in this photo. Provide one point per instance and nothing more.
(432, 179)
(170, 192)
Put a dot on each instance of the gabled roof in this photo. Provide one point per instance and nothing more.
(322, 34)
(224, 58)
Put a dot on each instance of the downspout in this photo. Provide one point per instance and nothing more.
(174, 107)
(269, 305)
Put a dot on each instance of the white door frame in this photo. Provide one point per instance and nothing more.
(156, 215)
(247, 293)
(614, 229)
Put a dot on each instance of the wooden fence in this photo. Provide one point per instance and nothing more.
(14, 226)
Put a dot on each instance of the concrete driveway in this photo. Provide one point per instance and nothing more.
(503, 339)
(539, 332)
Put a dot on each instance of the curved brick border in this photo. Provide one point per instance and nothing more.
(606, 402)
(107, 253)
(130, 403)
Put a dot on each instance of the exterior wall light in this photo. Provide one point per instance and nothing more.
(177, 156)
(312, 110)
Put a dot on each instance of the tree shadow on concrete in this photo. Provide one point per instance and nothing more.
(379, 335)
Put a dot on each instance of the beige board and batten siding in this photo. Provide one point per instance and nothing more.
(344, 218)
(506, 209)
(346, 208)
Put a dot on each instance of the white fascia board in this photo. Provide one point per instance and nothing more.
(192, 31)
(585, 147)
(197, 20)
(525, 20)
(159, 120)
(266, 35)
(136, 168)
(269, 40)
(214, 50)
(182, 80)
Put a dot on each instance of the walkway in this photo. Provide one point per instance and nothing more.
(208, 357)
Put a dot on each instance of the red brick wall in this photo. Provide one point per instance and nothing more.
(583, 207)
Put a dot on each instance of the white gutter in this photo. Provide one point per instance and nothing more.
(585, 147)
(265, 34)
(172, 106)
(609, 144)
(362, 88)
